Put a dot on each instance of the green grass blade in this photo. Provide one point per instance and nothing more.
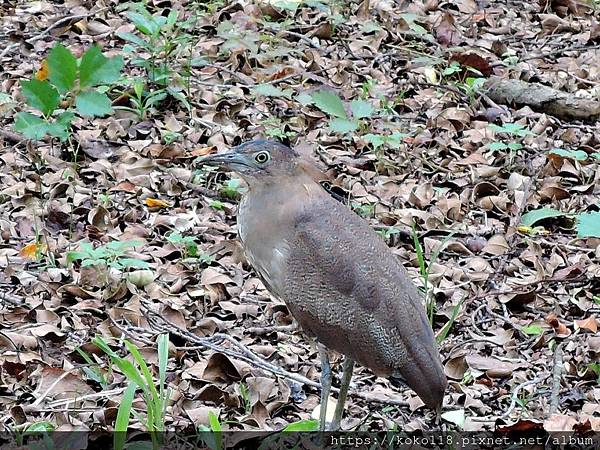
(443, 333)
(123, 415)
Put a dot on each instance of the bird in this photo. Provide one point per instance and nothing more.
(338, 278)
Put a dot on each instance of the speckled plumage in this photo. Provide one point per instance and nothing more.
(337, 276)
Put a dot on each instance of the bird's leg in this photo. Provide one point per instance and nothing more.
(325, 385)
(348, 367)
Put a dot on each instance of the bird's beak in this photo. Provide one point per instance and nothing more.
(226, 159)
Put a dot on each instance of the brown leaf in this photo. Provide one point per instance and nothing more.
(446, 33)
(559, 422)
(559, 328)
(57, 383)
(590, 324)
(493, 367)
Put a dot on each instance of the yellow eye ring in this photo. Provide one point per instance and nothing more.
(262, 157)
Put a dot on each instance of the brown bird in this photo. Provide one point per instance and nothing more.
(338, 278)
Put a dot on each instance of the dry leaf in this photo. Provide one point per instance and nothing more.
(157, 203)
(587, 324)
(31, 251)
(43, 72)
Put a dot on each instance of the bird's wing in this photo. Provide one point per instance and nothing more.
(345, 285)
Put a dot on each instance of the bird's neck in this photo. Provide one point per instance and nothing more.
(279, 198)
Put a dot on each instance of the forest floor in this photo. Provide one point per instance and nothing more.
(389, 99)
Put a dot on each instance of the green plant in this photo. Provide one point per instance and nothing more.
(425, 268)
(275, 128)
(35, 430)
(387, 232)
(586, 224)
(453, 68)
(511, 131)
(104, 200)
(364, 210)
(189, 248)
(144, 101)
(153, 49)
(113, 254)
(187, 244)
(157, 47)
(70, 87)
(139, 376)
(93, 372)
(232, 188)
(245, 394)
(287, 438)
(236, 38)
(443, 333)
(367, 87)
(216, 204)
(378, 141)
(340, 122)
(577, 155)
(510, 58)
(523, 400)
(532, 330)
(473, 86)
(595, 367)
(212, 434)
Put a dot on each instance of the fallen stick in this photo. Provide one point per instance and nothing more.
(542, 99)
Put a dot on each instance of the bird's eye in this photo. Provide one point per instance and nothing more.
(262, 157)
(326, 185)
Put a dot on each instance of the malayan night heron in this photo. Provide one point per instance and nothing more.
(338, 278)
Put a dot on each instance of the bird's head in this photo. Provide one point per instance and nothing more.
(257, 160)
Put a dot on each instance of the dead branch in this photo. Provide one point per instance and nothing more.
(242, 353)
(542, 98)
(556, 378)
(515, 394)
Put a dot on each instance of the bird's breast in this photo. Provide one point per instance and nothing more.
(264, 243)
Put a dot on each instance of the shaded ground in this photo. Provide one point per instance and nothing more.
(524, 341)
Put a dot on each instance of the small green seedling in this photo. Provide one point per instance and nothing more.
(189, 248)
(511, 131)
(72, 86)
(424, 270)
(245, 394)
(232, 188)
(275, 128)
(595, 367)
(216, 204)
(393, 140)
(387, 232)
(113, 254)
(340, 122)
(365, 210)
(187, 244)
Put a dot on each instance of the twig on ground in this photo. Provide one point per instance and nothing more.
(261, 331)
(242, 353)
(12, 299)
(556, 378)
(515, 394)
